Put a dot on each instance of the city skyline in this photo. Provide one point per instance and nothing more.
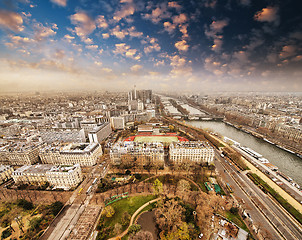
(168, 45)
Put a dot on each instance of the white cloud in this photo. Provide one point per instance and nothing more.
(84, 24)
(92, 47)
(182, 45)
(61, 3)
(42, 32)
(180, 19)
(125, 11)
(214, 32)
(136, 68)
(125, 50)
(101, 22)
(11, 20)
(98, 63)
(288, 51)
(154, 46)
(268, 14)
(105, 35)
(117, 32)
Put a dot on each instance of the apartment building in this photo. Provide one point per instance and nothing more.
(5, 173)
(51, 135)
(84, 154)
(19, 153)
(144, 152)
(200, 152)
(63, 177)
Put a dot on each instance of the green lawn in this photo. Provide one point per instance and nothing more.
(129, 205)
(235, 218)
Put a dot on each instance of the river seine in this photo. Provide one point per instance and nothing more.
(288, 163)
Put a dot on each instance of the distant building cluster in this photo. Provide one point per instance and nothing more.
(144, 152)
(62, 177)
(199, 152)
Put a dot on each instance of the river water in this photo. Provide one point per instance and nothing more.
(288, 163)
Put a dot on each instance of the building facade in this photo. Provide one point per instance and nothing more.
(63, 177)
(200, 152)
(84, 154)
(19, 153)
(144, 153)
(5, 173)
(99, 133)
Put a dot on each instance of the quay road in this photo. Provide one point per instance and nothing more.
(286, 186)
(272, 212)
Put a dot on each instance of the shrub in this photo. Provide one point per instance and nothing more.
(26, 205)
(35, 223)
(6, 233)
(56, 207)
(234, 210)
(125, 219)
(134, 228)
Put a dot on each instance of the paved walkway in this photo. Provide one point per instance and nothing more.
(133, 217)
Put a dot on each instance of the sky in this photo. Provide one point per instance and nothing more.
(189, 45)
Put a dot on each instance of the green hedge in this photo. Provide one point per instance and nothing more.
(266, 188)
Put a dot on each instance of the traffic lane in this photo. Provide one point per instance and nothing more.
(289, 231)
(248, 205)
(285, 219)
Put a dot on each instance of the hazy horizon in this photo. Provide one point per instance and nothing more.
(181, 46)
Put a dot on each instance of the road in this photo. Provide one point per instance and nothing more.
(77, 205)
(275, 214)
(245, 200)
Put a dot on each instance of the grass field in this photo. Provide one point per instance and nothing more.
(164, 139)
(129, 205)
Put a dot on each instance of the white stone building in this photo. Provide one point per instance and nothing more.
(144, 152)
(200, 152)
(5, 173)
(64, 177)
(85, 154)
(19, 153)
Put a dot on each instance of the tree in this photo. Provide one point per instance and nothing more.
(35, 223)
(25, 204)
(212, 168)
(109, 211)
(157, 187)
(183, 187)
(169, 215)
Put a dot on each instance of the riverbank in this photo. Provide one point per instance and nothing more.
(272, 141)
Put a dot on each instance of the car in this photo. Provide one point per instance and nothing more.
(200, 235)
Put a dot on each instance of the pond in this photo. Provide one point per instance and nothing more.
(147, 221)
